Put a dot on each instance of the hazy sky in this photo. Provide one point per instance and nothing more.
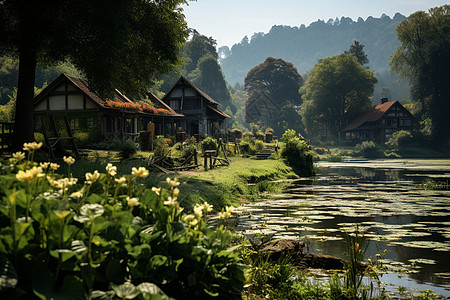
(228, 21)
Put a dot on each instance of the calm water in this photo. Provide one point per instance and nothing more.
(385, 199)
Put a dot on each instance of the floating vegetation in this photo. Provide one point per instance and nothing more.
(422, 261)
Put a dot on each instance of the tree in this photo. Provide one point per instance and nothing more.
(209, 77)
(271, 86)
(196, 48)
(119, 44)
(337, 90)
(424, 58)
(357, 50)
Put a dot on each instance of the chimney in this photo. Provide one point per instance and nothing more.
(384, 100)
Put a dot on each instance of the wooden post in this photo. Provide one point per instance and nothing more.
(205, 161)
(195, 157)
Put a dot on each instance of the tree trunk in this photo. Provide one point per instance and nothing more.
(24, 122)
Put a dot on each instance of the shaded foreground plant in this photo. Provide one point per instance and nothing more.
(109, 237)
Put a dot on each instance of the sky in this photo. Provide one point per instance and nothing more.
(229, 21)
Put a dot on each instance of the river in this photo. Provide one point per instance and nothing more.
(407, 225)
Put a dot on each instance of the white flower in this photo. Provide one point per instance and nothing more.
(175, 192)
(69, 160)
(112, 170)
(45, 165)
(139, 172)
(89, 212)
(227, 213)
(92, 177)
(132, 201)
(156, 190)
(120, 180)
(30, 147)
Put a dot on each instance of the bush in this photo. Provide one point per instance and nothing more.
(108, 237)
(209, 144)
(399, 140)
(161, 148)
(81, 138)
(126, 149)
(368, 149)
(247, 135)
(297, 153)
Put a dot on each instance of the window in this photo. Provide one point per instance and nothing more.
(174, 104)
(90, 123)
(73, 124)
(405, 122)
(191, 103)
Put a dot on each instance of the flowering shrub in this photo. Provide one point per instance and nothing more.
(108, 237)
(140, 107)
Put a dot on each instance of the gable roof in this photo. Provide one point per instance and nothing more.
(218, 111)
(83, 86)
(159, 103)
(196, 88)
(372, 115)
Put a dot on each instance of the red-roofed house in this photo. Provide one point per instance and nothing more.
(379, 122)
(200, 110)
(117, 118)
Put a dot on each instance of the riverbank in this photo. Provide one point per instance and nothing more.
(238, 183)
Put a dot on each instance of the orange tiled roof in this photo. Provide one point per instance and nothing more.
(372, 115)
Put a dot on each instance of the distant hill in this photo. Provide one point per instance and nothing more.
(303, 46)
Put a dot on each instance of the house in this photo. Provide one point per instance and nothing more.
(116, 118)
(380, 122)
(200, 110)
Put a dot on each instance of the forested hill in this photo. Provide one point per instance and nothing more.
(303, 46)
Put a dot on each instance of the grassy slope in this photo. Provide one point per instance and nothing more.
(228, 185)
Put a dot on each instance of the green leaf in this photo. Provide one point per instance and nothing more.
(8, 275)
(126, 290)
(158, 261)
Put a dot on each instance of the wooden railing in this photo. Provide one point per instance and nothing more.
(6, 130)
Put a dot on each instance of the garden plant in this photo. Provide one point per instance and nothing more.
(106, 237)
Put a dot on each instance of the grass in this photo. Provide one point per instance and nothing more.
(242, 181)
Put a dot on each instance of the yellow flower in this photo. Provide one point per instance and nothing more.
(54, 166)
(171, 201)
(172, 183)
(176, 191)
(156, 190)
(198, 211)
(30, 147)
(69, 160)
(191, 220)
(229, 209)
(92, 177)
(45, 165)
(122, 181)
(18, 155)
(78, 194)
(132, 201)
(139, 172)
(224, 215)
(112, 170)
(27, 175)
(63, 183)
(207, 207)
(62, 214)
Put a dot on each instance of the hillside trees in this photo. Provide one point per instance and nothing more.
(424, 58)
(337, 90)
(272, 88)
(357, 49)
(117, 44)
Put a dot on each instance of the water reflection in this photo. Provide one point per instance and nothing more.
(412, 224)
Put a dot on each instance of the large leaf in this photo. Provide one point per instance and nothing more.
(126, 290)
